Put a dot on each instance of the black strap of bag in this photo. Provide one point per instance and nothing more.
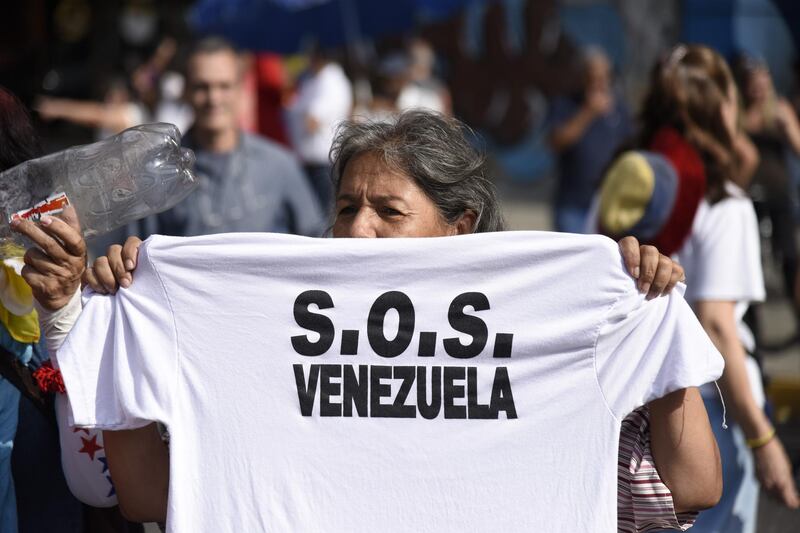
(22, 378)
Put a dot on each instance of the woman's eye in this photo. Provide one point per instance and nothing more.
(389, 212)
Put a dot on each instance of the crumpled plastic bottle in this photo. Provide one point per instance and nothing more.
(140, 171)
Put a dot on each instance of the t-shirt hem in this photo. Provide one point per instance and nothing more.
(79, 413)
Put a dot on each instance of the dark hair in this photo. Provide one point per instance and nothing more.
(745, 68)
(435, 151)
(18, 140)
(212, 45)
(687, 90)
(206, 46)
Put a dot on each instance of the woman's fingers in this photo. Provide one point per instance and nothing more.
(629, 248)
(50, 291)
(117, 265)
(789, 494)
(113, 270)
(104, 274)
(678, 276)
(53, 268)
(648, 267)
(69, 234)
(90, 278)
(130, 252)
(33, 277)
(43, 264)
(774, 472)
(656, 274)
(38, 236)
(661, 278)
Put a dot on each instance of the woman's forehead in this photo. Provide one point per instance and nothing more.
(370, 173)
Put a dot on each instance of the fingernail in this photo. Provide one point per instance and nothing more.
(46, 220)
(644, 288)
(129, 264)
(636, 272)
(125, 282)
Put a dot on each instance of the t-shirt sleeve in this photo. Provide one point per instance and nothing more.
(647, 349)
(728, 236)
(120, 361)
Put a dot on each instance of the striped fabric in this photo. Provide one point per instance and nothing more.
(644, 503)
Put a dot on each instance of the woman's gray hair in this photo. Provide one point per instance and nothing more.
(435, 151)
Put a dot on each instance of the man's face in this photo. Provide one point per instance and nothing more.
(213, 90)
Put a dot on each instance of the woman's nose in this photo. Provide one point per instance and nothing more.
(363, 225)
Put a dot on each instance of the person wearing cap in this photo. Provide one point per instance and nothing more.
(653, 194)
(679, 191)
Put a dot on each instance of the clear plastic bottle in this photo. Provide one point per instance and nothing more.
(141, 171)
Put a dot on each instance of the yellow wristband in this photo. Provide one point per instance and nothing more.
(760, 441)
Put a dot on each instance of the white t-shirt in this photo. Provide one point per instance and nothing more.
(328, 98)
(722, 260)
(296, 377)
(421, 96)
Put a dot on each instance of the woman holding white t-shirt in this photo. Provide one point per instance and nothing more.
(383, 197)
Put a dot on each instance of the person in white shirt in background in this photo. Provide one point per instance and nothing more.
(423, 90)
(324, 99)
(171, 107)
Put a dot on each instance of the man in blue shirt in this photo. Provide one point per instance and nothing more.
(587, 129)
(247, 183)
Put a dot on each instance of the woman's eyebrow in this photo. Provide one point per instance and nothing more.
(388, 197)
(380, 197)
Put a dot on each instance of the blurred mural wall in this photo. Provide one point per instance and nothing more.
(503, 60)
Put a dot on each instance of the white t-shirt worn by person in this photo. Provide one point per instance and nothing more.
(326, 97)
(722, 260)
(472, 383)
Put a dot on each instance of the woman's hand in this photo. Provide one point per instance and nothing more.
(656, 274)
(54, 268)
(774, 472)
(115, 269)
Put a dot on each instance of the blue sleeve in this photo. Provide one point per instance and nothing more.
(561, 110)
(306, 216)
(625, 118)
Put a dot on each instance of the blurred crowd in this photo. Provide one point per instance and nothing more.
(275, 107)
(262, 127)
